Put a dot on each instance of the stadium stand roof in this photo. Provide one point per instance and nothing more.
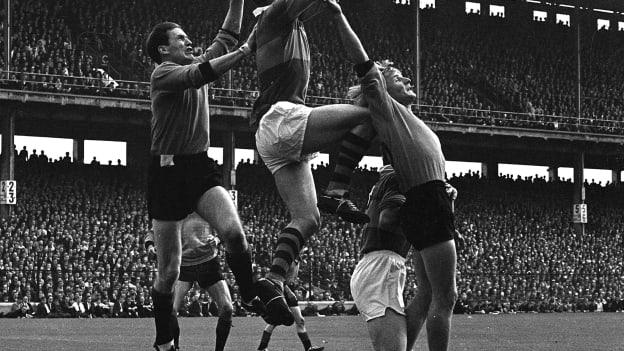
(612, 5)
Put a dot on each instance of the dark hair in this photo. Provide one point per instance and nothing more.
(158, 36)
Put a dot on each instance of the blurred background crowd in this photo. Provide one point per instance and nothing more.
(76, 236)
(74, 242)
(476, 64)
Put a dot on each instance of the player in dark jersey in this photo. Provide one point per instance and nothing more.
(293, 304)
(414, 150)
(200, 263)
(378, 280)
(290, 133)
(182, 178)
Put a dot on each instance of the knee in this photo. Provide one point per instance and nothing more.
(422, 300)
(170, 274)
(234, 238)
(446, 300)
(310, 223)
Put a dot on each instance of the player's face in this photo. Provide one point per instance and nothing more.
(399, 87)
(180, 49)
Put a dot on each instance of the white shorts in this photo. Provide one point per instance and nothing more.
(279, 137)
(377, 283)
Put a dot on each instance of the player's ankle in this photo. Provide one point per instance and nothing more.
(166, 347)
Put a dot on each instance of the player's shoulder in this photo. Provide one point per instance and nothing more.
(162, 69)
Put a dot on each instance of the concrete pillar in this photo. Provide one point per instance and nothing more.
(616, 176)
(78, 151)
(7, 163)
(229, 163)
(553, 173)
(489, 169)
(579, 188)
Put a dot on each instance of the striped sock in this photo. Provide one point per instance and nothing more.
(289, 244)
(352, 148)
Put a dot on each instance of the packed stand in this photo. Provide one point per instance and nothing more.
(476, 64)
(75, 243)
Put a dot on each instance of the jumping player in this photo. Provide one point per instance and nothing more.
(182, 178)
(290, 133)
(414, 150)
(200, 263)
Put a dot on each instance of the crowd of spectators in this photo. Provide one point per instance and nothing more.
(474, 63)
(74, 244)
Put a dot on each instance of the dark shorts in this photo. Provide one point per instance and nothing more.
(427, 216)
(205, 274)
(173, 191)
(290, 297)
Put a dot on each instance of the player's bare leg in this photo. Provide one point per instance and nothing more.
(217, 208)
(180, 290)
(302, 333)
(388, 333)
(349, 125)
(440, 261)
(295, 185)
(416, 312)
(167, 239)
(220, 293)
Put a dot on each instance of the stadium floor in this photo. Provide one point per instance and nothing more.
(573, 331)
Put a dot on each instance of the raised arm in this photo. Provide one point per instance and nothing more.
(174, 77)
(228, 35)
(350, 41)
(223, 63)
(234, 17)
(372, 83)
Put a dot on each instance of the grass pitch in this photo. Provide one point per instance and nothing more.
(569, 331)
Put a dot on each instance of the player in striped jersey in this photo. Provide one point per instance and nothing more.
(289, 134)
(200, 263)
(378, 280)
